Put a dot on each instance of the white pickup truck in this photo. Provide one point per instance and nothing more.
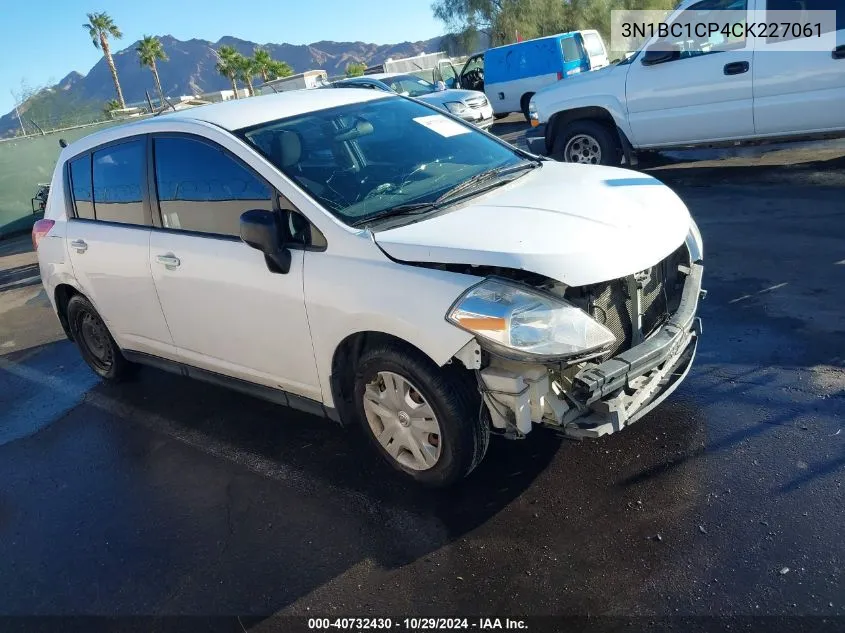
(698, 94)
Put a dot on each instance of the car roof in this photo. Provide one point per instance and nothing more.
(241, 113)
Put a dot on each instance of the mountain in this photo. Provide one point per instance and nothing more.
(190, 70)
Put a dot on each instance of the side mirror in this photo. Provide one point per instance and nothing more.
(260, 230)
(660, 54)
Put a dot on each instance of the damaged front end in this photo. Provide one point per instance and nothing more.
(652, 315)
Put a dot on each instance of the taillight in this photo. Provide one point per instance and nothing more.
(39, 230)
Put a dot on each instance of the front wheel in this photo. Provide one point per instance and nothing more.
(422, 419)
(587, 142)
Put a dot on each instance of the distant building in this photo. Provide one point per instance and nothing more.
(302, 81)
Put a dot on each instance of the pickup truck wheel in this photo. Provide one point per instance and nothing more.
(588, 142)
(423, 420)
(95, 343)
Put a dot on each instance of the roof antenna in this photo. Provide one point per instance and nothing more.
(62, 143)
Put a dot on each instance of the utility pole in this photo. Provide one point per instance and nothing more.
(17, 112)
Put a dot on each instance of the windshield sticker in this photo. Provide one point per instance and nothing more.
(442, 125)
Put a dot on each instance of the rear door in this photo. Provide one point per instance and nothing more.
(799, 88)
(227, 311)
(109, 240)
(595, 49)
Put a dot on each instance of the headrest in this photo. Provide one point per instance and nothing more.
(288, 148)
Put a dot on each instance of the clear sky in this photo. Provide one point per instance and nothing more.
(50, 41)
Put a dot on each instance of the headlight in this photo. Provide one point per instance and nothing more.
(455, 107)
(518, 321)
(533, 115)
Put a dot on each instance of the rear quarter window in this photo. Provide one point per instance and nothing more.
(80, 179)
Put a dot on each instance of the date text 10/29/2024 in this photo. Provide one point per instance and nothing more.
(416, 624)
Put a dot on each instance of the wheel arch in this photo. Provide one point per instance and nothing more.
(62, 295)
(345, 360)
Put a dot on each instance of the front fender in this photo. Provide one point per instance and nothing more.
(349, 295)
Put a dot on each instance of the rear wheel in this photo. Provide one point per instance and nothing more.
(95, 343)
(422, 419)
(589, 142)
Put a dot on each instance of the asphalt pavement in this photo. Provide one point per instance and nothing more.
(165, 496)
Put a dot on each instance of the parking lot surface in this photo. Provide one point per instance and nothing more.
(166, 496)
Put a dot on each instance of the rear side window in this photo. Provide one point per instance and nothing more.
(118, 183)
(80, 177)
(571, 49)
(203, 188)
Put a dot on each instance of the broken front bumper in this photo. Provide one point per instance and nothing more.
(605, 398)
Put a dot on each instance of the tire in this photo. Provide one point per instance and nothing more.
(590, 135)
(462, 435)
(524, 103)
(501, 115)
(95, 343)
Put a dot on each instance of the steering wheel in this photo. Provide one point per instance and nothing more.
(475, 76)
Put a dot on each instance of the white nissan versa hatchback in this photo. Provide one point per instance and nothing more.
(366, 257)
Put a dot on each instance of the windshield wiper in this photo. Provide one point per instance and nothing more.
(484, 176)
(416, 208)
(413, 208)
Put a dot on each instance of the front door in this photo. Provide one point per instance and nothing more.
(703, 95)
(227, 311)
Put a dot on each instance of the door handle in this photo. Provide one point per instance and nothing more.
(80, 245)
(736, 68)
(169, 261)
(838, 52)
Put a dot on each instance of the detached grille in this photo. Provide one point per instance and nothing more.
(611, 303)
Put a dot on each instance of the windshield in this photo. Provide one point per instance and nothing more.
(362, 159)
(409, 85)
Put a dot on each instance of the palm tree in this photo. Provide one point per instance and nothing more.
(262, 59)
(227, 65)
(246, 70)
(268, 67)
(100, 27)
(112, 104)
(149, 51)
(279, 69)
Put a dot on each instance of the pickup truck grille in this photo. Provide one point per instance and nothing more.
(612, 304)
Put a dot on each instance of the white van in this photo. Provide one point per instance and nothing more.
(510, 75)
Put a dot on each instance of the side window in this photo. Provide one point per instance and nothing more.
(119, 181)
(80, 177)
(801, 7)
(203, 188)
(593, 44)
(703, 12)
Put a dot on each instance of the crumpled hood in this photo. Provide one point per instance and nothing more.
(578, 224)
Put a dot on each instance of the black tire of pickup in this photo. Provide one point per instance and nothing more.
(590, 135)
